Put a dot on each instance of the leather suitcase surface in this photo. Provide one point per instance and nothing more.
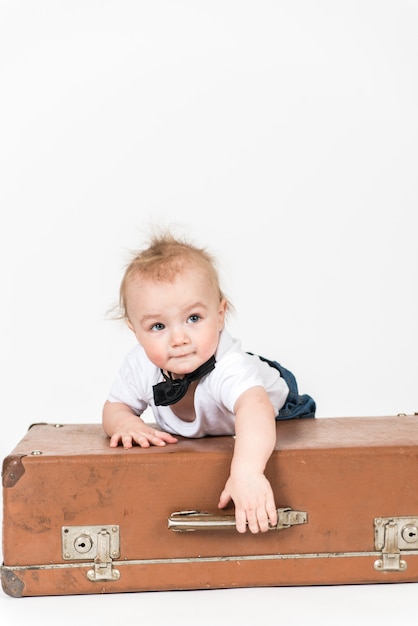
(80, 517)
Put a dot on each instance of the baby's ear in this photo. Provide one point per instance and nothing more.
(223, 305)
(129, 324)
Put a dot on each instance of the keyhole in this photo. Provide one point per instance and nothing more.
(410, 533)
(83, 544)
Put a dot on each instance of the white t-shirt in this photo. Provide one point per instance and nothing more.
(215, 394)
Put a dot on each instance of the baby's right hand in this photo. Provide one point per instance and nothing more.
(135, 431)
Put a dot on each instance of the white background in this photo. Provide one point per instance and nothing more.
(282, 136)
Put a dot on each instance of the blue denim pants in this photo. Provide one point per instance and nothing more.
(295, 405)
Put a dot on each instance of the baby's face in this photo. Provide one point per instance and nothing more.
(177, 323)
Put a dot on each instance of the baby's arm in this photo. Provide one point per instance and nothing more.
(247, 485)
(122, 425)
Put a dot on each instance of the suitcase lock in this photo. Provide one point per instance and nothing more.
(97, 543)
(393, 535)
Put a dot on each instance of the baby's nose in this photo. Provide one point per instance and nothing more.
(178, 336)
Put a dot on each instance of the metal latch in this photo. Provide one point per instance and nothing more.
(183, 521)
(392, 536)
(98, 543)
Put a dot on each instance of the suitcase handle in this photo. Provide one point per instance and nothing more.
(183, 521)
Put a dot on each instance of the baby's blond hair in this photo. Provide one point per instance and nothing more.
(164, 258)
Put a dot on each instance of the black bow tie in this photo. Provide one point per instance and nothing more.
(171, 390)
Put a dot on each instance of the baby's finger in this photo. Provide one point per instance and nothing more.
(114, 441)
(240, 520)
(252, 520)
(126, 441)
(272, 514)
(165, 437)
(263, 520)
(141, 440)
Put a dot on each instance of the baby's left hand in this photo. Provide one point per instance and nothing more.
(254, 502)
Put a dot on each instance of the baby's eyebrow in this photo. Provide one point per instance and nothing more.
(195, 305)
(150, 317)
(154, 317)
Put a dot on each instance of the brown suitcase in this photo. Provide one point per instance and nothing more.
(80, 517)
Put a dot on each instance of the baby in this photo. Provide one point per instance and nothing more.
(195, 376)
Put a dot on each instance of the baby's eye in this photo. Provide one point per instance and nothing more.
(194, 318)
(158, 326)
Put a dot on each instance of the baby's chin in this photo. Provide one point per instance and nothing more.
(181, 367)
